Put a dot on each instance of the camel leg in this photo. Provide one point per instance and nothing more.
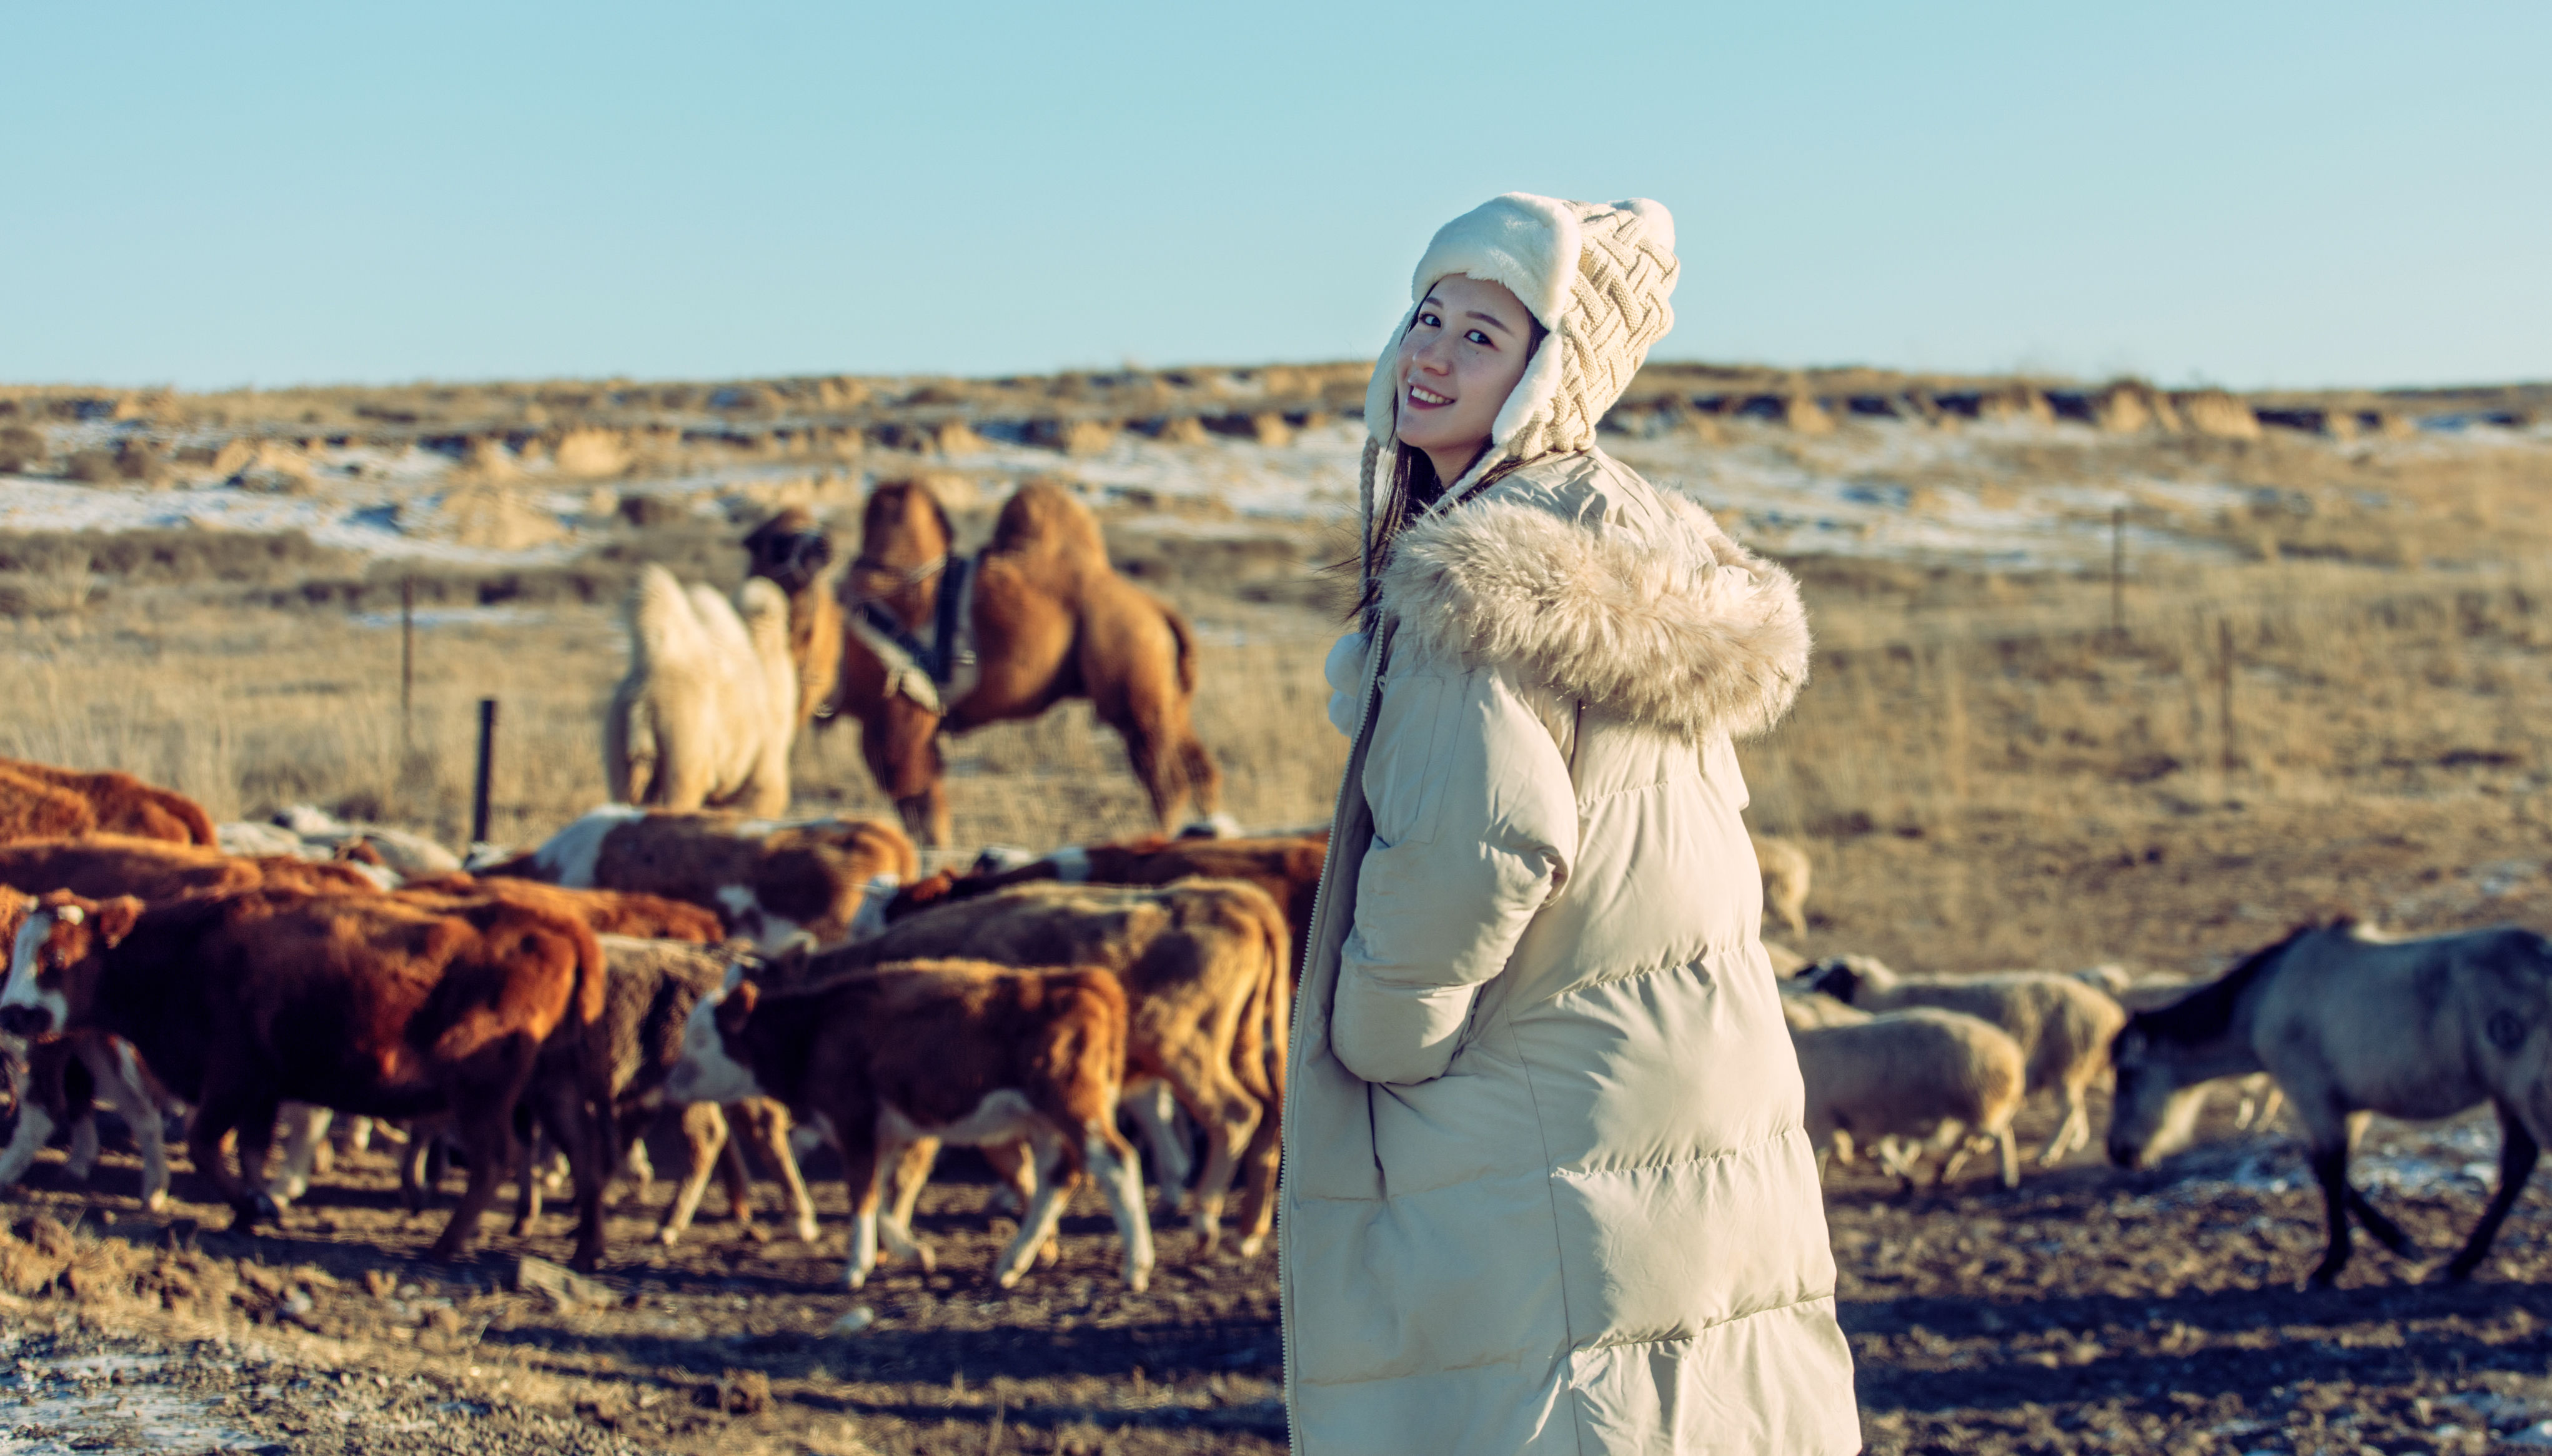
(2516, 1154)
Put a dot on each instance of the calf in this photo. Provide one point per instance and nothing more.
(956, 1051)
(124, 804)
(65, 1073)
(360, 1002)
(823, 883)
(1203, 964)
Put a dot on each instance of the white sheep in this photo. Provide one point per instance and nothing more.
(1806, 1010)
(2064, 1027)
(704, 716)
(1940, 1079)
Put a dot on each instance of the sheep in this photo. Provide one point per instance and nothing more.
(1806, 1010)
(1943, 1078)
(2064, 1027)
(1785, 879)
(706, 714)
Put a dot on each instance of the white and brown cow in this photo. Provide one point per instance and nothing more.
(958, 1051)
(356, 1001)
(822, 882)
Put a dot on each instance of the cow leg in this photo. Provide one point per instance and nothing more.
(766, 1126)
(1014, 1164)
(894, 1231)
(1056, 1177)
(739, 1187)
(1113, 1164)
(1259, 1164)
(35, 1129)
(911, 1170)
(1229, 1116)
(304, 1125)
(1147, 1102)
(118, 1066)
(528, 1182)
(855, 1136)
(82, 1159)
(2517, 1151)
(561, 1110)
(419, 1167)
(705, 1133)
(229, 1110)
(484, 1124)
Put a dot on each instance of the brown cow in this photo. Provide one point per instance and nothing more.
(360, 1003)
(1287, 867)
(32, 809)
(630, 913)
(124, 805)
(1202, 962)
(103, 865)
(792, 551)
(953, 1050)
(1050, 619)
(824, 881)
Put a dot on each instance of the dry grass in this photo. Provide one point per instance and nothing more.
(250, 709)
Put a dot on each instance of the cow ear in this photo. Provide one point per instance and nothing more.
(743, 998)
(116, 918)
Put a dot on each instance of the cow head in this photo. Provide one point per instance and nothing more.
(709, 1070)
(56, 958)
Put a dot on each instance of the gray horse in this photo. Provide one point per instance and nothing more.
(2350, 1024)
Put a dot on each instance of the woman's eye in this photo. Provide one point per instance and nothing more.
(1429, 320)
(1476, 337)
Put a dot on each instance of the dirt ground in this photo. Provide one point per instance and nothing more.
(2087, 1311)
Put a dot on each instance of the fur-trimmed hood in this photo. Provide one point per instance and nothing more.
(1672, 625)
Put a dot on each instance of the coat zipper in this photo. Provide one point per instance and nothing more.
(1320, 899)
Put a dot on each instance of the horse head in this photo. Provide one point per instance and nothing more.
(904, 540)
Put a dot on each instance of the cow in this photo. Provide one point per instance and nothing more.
(356, 1001)
(123, 804)
(955, 1051)
(630, 913)
(104, 866)
(825, 881)
(1287, 867)
(1203, 964)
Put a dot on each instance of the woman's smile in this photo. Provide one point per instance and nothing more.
(1426, 398)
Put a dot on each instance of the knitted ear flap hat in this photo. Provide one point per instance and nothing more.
(1596, 275)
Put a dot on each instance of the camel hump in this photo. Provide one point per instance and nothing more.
(662, 624)
(1041, 516)
(764, 608)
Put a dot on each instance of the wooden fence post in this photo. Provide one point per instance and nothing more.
(407, 655)
(2118, 575)
(2224, 688)
(486, 771)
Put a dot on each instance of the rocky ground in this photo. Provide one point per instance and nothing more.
(2087, 1311)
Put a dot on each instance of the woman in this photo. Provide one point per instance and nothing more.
(1546, 1184)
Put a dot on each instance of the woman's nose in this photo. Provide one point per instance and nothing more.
(1431, 356)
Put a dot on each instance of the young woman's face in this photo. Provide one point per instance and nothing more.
(1458, 363)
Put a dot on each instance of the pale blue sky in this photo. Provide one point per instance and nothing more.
(213, 195)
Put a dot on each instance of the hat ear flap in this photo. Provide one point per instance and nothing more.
(1382, 391)
(1534, 393)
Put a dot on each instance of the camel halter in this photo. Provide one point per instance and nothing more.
(938, 658)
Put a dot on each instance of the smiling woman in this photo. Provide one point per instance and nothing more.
(1546, 1184)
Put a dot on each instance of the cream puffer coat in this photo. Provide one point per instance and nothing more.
(1546, 1184)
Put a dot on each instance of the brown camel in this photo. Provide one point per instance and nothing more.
(1050, 620)
(793, 551)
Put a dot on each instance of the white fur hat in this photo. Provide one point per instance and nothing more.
(1596, 275)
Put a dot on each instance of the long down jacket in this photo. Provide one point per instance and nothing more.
(1546, 1184)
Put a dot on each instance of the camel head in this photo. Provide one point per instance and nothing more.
(790, 549)
(905, 538)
